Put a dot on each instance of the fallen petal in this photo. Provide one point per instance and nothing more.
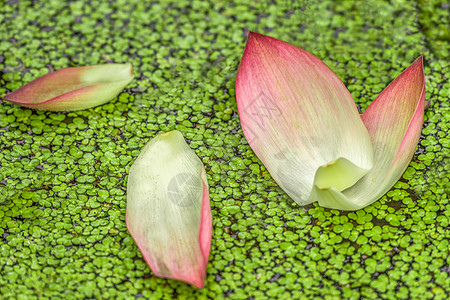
(298, 117)
(394, 121)
(168, 211)
(74, 88)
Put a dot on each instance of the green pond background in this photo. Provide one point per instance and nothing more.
(63, 176)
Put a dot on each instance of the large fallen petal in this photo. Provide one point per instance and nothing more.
(168, 211)
(298, 117)
(394, 121)
(74, 88)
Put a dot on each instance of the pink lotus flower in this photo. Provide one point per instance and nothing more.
(304, 126)
(74, 88)
(168, 210)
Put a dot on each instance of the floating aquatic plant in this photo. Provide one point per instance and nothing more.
(74, 88)
(303, 124)
(168, 211)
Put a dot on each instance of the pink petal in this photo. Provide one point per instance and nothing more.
(298, 116)
(168, 210)
(395, 120)
(74, 88)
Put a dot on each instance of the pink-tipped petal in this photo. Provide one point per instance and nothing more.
(394, 121)
(395, 118)
(168, 211)
(298, 116)
(74, 88)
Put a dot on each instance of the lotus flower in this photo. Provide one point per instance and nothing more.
(304, 126)
(74, 88)
(168, 210)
